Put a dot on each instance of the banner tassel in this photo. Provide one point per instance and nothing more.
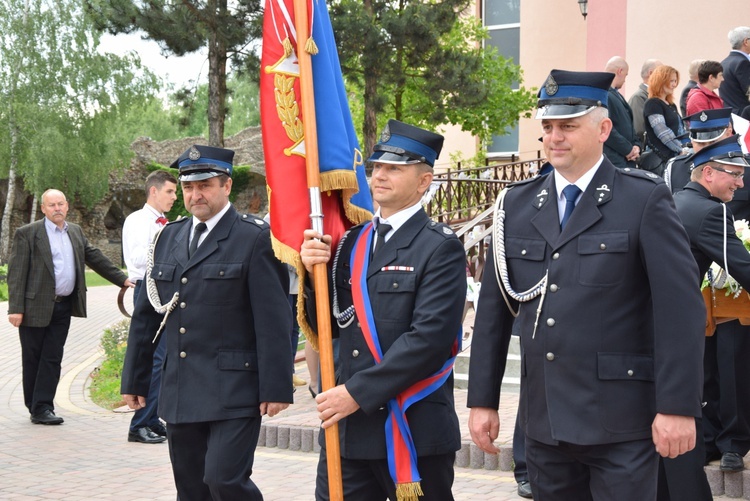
(311, 47)
(287, 45)
(409, 491)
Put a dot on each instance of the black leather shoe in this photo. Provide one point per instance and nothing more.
(524, 489)
(46, 417)
(731, 461)
(145, 436)
(159, 429)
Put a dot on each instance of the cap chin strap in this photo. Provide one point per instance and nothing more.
(153, 292)
(501, 267)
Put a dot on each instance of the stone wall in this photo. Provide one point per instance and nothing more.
(102, 224)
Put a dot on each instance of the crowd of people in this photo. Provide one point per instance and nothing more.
(597, 268)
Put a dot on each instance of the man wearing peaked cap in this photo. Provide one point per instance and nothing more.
(411, 273)
(203, 162)
(402, 143)
(591, 270)
(716, 177)
(222, 296)
(706, 128)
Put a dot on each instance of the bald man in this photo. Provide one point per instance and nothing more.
(621, 147)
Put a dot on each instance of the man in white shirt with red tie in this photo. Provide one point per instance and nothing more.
(137, 234)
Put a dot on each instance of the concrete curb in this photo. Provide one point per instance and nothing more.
(305, 439)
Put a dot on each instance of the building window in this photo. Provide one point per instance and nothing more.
(503, 20)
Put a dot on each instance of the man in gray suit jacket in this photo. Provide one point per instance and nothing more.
(46, 286)
(639, 97)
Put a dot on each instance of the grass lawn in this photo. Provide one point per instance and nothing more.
(93, 279)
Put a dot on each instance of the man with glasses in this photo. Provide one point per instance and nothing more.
(706, 128)
(716, 173)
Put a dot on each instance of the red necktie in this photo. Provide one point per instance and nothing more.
(161, 220)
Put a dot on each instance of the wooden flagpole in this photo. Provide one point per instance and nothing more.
(320, 271)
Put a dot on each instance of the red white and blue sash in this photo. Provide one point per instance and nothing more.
(402, 456)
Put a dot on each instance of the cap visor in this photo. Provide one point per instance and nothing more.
(736, 161)
(385, 157)
(558, 111)
(706, 136)
(199, 176)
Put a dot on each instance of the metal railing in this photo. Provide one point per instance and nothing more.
(464, 199)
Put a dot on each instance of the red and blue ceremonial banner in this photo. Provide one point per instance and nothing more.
(345, 196)
(402, 456)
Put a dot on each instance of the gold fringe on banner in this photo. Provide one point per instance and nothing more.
(409, 491)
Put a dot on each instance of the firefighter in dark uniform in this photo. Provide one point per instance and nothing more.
(227, 334)
(415, 285)
(726, 414)
(706, 127)
(597, 267)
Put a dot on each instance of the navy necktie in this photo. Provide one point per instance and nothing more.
(199, 228)
(570, 193)
(382, 230)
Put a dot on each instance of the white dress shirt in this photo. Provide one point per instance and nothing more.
(137, 234)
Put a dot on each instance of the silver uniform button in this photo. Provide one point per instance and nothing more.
(553, 288)
(556, 255)
(630, 372)
(183, 305)
(603, 246)
(395, 285)
(247, 364)
(550, 356)
(355, 353)
(183, 354)
(221, 273)
(550, 322)
(182, 330)
(523, 252)
(184, 280)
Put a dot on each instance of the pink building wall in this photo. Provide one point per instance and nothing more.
(555, 35)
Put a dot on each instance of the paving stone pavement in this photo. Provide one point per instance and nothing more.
(88, 457)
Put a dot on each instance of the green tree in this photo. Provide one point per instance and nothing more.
(243, 109)
(60, 104)
(184, 26)
(423, 62)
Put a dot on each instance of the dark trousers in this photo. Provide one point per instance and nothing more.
(623, 471)
(369, 479)
(683, 478)
(147, 416)
(726, 415)
(214, 460)
(41, 358)
(520, 470)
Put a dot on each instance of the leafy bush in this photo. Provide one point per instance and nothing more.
(4, 282)
(105, 384)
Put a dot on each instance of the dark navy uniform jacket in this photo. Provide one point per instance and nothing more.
(620, 335)
(417, 311)
(227, 341)
(706, 223)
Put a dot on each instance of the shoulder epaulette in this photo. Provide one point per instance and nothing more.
(527, 181)
(442, 229)
(253, 219)
(180, 219)
(642, 174)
